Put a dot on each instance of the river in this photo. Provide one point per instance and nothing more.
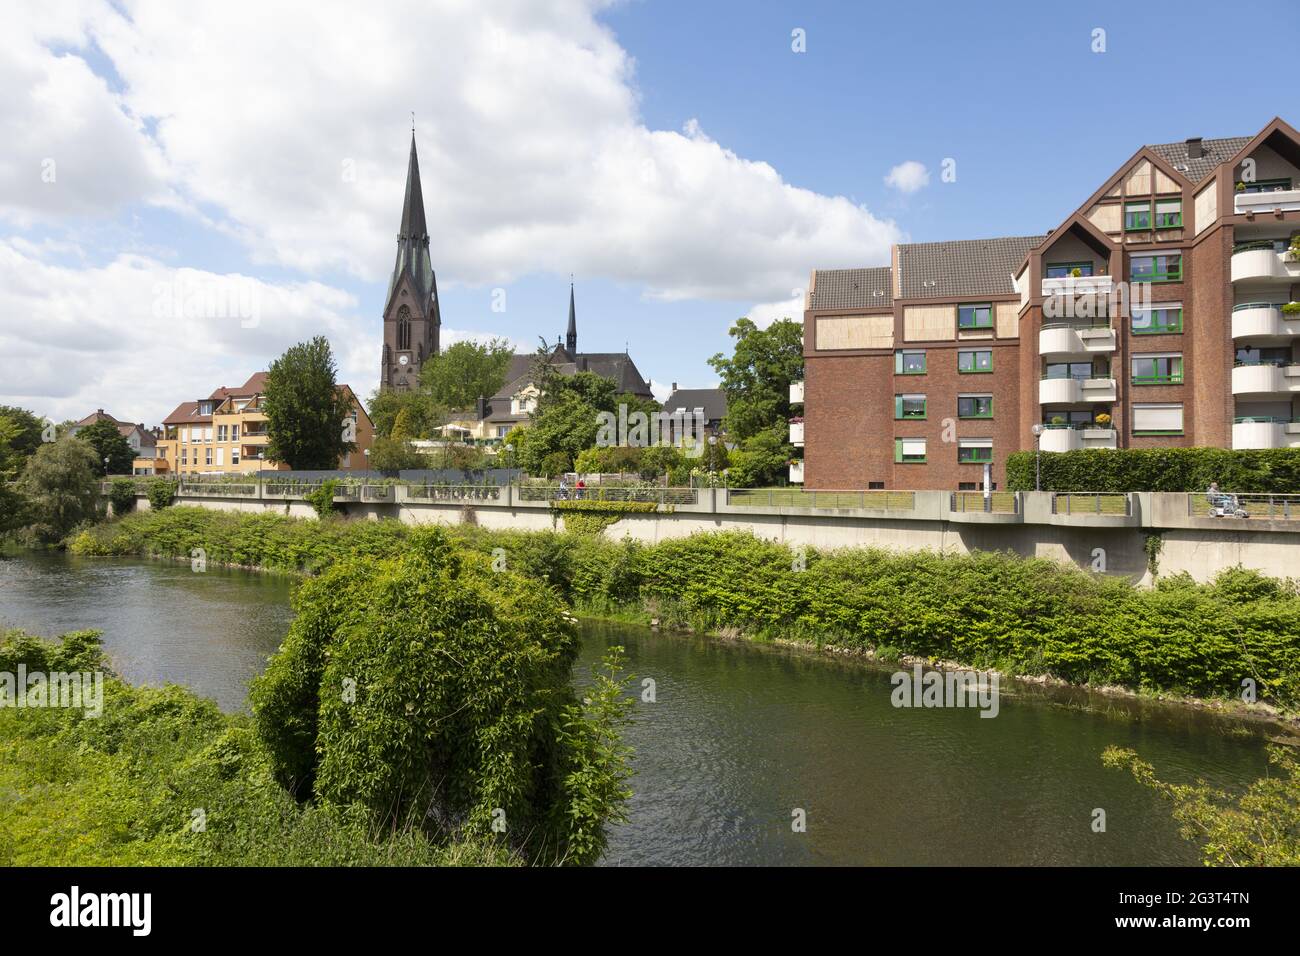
(741, 740)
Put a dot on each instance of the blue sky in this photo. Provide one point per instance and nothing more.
(679, 158)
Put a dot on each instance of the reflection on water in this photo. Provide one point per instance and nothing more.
(740, 737)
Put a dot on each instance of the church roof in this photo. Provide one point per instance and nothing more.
(413, 237)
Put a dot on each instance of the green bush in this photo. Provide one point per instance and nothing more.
(321, 498)
(122, 789)
(121, 495)
(1275, 470)
(161, 491)
(436, 693)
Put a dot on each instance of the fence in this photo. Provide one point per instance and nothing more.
(797, 498)
(554, 492)
(999, 502)
(1285, 507)
(1100, 503)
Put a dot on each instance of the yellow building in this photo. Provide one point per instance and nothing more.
(225, 433)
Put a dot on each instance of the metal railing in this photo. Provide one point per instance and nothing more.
(1094, 503)
(454, 492)
(798, 498)
(998, 502)
(1282, 507)
(663, 496)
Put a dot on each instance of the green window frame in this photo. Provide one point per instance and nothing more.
(1169, 213)
(975, 406)
(1164, 267)
(976, 316)
(1160, 321)
(1062, 270)
(974, 454)
(906, 407)
(912, 459)
(901, 362)
(969, 362)
(1161, 370)
(1137, 216)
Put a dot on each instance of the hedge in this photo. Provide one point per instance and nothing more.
(1274, 470)
(986, 609)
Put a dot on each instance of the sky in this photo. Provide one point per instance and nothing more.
(188, 189)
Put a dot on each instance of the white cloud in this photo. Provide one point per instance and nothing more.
(284, 126)
(138, 337)
(908, 176)
(765, 313)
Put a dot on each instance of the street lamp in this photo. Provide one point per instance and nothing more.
(1038, 479)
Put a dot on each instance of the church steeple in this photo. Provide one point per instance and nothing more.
(571, 336)
(411, 315)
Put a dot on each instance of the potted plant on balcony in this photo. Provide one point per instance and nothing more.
(1076, 273)
(1291, 308)
(1241, 187)
(1058, 420)
(1103, 420)
(1293, 253)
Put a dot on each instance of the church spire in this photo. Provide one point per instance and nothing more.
(571, 337)
(413, 234)
(413, 226)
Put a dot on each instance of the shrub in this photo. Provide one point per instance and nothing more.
(436, 692)
(1275, 470)
(321, 498)
(160, 492)
(121, 495)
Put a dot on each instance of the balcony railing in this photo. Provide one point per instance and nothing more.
(1284, 507)
(1097, 503)
(798, 498)
(998, 502)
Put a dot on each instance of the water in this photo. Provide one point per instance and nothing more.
(740, 736)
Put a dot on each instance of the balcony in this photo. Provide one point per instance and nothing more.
(1067, 339)
(1072, 391)
(1060, 438)
(796, 393)
(1263, 263)
(1075, 286)
(796, 433)
(1287, 200)
(1255, 320)
(1256, 432)
(796, 472)
(1265, 379)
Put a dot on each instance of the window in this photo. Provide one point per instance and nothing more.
(981, 361)
(974, 451)
(1157, 370)
(234, 455)
(208, 460)
(185, 456)
(974, 406)
(909, 363)
(1169, 213)
(909, 406)
(1069, 419)
(1063, 270)
(1166, 267)
(1264, 186)
(875, 485)
(1165, 320)
(404, 329)
(1255, 355)
(974, 316)
(234, 433)
(909, 451)
(1137, 216)
(1157, 419)
(221, 433)
(1079, 371)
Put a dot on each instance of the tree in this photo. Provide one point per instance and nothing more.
(26, 437)
(113, 455)
(60, 488)
(761, 459)
(1261, 827)
(305, 409)
(758, 375)
(458, 375)
(418, 412)
(393, 454)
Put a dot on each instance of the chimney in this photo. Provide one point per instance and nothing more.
(481, 407)
(1195, 149)
(674, 386)
(99, 411)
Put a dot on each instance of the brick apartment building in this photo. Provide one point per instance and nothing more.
(1151, 317)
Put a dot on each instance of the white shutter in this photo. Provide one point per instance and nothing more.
(221, 457)
(1157, 418)
(975, 443)
(914, 446)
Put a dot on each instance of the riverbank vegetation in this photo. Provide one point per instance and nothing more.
(420, 711)
(987, 610)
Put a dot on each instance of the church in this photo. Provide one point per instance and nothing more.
(412, 322)
(411, 317)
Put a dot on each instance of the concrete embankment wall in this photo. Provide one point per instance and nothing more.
(1116, 544)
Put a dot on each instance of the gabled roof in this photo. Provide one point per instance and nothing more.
(99, 415)
(851, 289)
(255, 385)
(965, 267)
(1214, 153)
(712, 400)
(186, 413)
(612, 365)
